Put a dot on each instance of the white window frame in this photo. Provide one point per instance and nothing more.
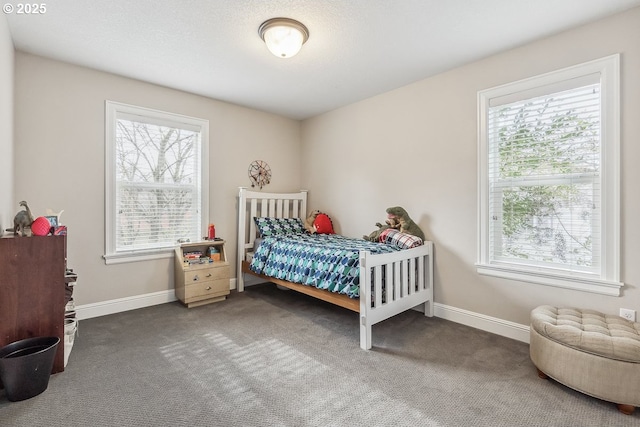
(112, 109)
(607, 281)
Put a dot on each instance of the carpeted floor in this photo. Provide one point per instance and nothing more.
(268, 357)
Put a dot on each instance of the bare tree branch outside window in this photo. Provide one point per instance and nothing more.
(157, 184)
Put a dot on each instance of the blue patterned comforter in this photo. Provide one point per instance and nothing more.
(326, 261)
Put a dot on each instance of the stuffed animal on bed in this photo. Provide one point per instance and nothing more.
(375, 235)
(391, 223)
(308, 222)
(319, 223)
(406, 223)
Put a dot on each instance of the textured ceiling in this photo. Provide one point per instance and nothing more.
(356, 49)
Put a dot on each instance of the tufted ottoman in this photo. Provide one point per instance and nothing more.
(594, 353)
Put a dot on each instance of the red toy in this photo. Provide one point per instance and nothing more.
(40, 226)
(323, 224)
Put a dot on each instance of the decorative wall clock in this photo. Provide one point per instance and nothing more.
(259, 173)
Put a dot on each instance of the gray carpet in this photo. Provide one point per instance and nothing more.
(275, 358)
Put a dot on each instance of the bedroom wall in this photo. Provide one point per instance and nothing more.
(59, 163)
(416, 147)
(7, 206)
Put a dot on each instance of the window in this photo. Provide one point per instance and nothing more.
(548, 179)
(156, 182)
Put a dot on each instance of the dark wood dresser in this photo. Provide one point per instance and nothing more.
(32, 290)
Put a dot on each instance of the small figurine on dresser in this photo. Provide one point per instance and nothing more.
(22, 220)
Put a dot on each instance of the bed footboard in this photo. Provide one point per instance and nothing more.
(396, 282)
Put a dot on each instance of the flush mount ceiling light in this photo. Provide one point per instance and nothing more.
(284, 37)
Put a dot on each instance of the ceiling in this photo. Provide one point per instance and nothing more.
(356, 49)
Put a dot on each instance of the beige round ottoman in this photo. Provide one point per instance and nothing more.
(591, 352)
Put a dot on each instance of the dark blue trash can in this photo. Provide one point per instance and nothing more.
(25, 366)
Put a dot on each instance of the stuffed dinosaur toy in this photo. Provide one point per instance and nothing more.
(406, 223)
(390, 223)
(375, 235)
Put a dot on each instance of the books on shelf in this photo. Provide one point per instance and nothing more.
(192, 254)
(195, 257)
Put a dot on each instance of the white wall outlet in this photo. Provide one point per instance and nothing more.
(628, 314)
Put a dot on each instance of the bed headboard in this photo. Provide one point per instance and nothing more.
(259, 204)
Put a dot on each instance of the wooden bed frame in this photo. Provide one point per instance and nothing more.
(409, 273)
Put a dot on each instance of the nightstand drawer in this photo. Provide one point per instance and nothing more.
(206, 289)
(212, 273)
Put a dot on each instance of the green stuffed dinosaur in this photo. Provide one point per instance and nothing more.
(406, 223)
(375, 235)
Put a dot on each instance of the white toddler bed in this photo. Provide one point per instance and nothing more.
(398, 280)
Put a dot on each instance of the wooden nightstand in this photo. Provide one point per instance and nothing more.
(201, 278)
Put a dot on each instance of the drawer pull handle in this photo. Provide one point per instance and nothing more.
(195, 278)
(209, 275)
(208, 288)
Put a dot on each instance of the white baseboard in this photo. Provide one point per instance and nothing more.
(494, 325)
(104, 308)
(87, 311)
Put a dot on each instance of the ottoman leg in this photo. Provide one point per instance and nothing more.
(542, 374)
(626, 409)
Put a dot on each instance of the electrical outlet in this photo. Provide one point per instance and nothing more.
(628, 314)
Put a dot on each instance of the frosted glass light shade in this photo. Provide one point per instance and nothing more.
(284, 37)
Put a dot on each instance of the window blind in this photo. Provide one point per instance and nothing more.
(157, 183)
(544, 177)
